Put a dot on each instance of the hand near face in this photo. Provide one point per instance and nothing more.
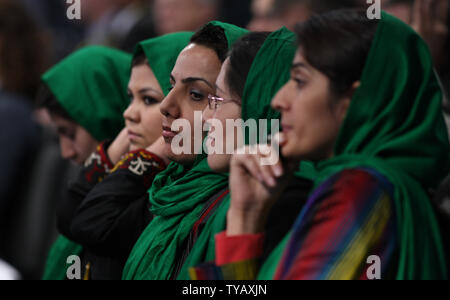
(119, 147)
(254, 189)
(158, 149)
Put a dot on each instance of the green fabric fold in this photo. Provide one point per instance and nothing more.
(162, 53)
(91, 85)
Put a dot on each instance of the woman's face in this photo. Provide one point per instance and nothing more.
(76, 144)
(143, 118)
(311, 115)
(193, 79)
(230, 109)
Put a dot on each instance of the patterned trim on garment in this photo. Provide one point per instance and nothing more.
(141, 163)
(98, 165)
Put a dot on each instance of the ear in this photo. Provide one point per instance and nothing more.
(346, 100)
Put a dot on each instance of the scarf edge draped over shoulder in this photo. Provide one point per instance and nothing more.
(176, 199)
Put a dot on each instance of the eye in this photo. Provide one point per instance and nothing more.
(130, 97)
(150, 100)
(196, 95)
(300, 83)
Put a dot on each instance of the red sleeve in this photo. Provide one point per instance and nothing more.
(238, 248)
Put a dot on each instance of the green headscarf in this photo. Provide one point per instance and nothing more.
(91, 85)
(162, 53)
(395, 126)
(177, 197)
(269, 72)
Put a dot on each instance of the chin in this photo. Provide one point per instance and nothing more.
(182, 159)
(218, 165)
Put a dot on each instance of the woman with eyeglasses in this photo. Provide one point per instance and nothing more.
(256, 68)
(364, 104)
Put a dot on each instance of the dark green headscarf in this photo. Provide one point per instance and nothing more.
(269, 72)
(91, 85)
(395, 126)
(177, 197)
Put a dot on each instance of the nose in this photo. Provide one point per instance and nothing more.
(169, 106)
(67, 148)
(208, 113)
(132, 114)
(280, 101)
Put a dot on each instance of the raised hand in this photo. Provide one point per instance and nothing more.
(119, 147)
(254, 190)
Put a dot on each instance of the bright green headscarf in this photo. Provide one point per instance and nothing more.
(91, 85)
(104, 64)
(395, 126)
(177, 197)
(269, 72)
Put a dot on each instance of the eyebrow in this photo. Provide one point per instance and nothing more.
(145, 90)
(193, 79)
(299, 65)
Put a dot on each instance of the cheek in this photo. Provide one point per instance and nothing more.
(314, 126)
(152, 117)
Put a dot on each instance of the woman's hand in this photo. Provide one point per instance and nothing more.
(119, 147)
(158, 149)
(254, 190)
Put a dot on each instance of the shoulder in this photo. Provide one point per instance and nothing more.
(360, 179)
(355, 190)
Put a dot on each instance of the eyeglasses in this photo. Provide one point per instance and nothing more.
(216, 102)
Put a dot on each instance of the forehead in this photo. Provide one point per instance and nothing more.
(220, 82)
(142, 74)
(197, 61)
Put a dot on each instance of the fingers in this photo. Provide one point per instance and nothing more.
(250, 161)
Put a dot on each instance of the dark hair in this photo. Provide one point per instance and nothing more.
(241, 57)
(46, 99)
(139, 59)
(337, 44)
(212, 37)
(23, 54)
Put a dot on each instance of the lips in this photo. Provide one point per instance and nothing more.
(168, 133)
(133, 135)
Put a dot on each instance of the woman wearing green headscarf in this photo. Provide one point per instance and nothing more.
(370, 116)
(267, 64)
(106, 209)
(74, 92)
(179, 194)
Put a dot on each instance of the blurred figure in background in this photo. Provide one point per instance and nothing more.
(431, 20)
(22, 59)
(269, 15)
(21, 62)
(62, 35)
(183, 15)
(109, 22)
